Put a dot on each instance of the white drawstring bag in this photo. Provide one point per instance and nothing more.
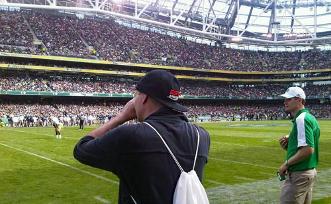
(189, 189)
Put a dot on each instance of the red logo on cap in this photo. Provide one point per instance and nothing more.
(174, 94)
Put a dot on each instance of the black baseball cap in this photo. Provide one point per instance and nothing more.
(163, 87)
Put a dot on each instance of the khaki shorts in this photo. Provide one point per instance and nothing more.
(298, 187)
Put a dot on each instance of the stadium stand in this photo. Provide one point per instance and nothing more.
(64, 83)
(14, 30)
(52, 93)
(67, 35)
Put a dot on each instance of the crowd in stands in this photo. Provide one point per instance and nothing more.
(17, 49)
(121, 85)
(252, 111)
(66, 35)
(106, 38)
(59, 84)
(321, 110)
(112, 86)
(13, 30)
(58, 33)
(27, 115)
(15, 35)
(105, 109)
(238, 112)
(23, 84)
(249, 91)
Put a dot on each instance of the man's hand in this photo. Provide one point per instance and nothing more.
(283, 169)
(283, 141)
(128, 112)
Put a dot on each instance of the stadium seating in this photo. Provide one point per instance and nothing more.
(122, 85)
(65, 35)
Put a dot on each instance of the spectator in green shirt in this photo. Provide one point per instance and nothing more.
(302, 150)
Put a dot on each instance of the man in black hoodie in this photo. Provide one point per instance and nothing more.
(136, 154)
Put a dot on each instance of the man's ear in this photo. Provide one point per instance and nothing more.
(300, 100)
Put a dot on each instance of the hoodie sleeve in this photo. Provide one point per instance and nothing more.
(101, 152)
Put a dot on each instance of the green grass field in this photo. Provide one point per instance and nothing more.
(244, 157)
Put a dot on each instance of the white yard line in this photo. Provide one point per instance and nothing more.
(242, 145)
(214, 182)
(248, 136)
(244, 178)
(101, 199)
(61, 163)
(244, 163)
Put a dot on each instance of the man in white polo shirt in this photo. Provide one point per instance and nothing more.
(302, 150)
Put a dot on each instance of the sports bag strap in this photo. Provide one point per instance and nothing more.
(134, 201)
(172, 155)
(196, 152)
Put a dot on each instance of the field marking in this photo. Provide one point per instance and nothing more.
(61, 163)
(214, 182)
(244, 163)
(241, 145)
(267, 140)
(259, 125)
(227, 143)
(102, 200)
(246, 136)
(265, 191)
(258, 146)
(34, 133)
(244, 178)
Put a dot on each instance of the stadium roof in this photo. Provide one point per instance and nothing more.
(268, 22)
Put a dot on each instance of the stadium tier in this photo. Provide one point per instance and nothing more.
(56, 82)
(55, 34)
